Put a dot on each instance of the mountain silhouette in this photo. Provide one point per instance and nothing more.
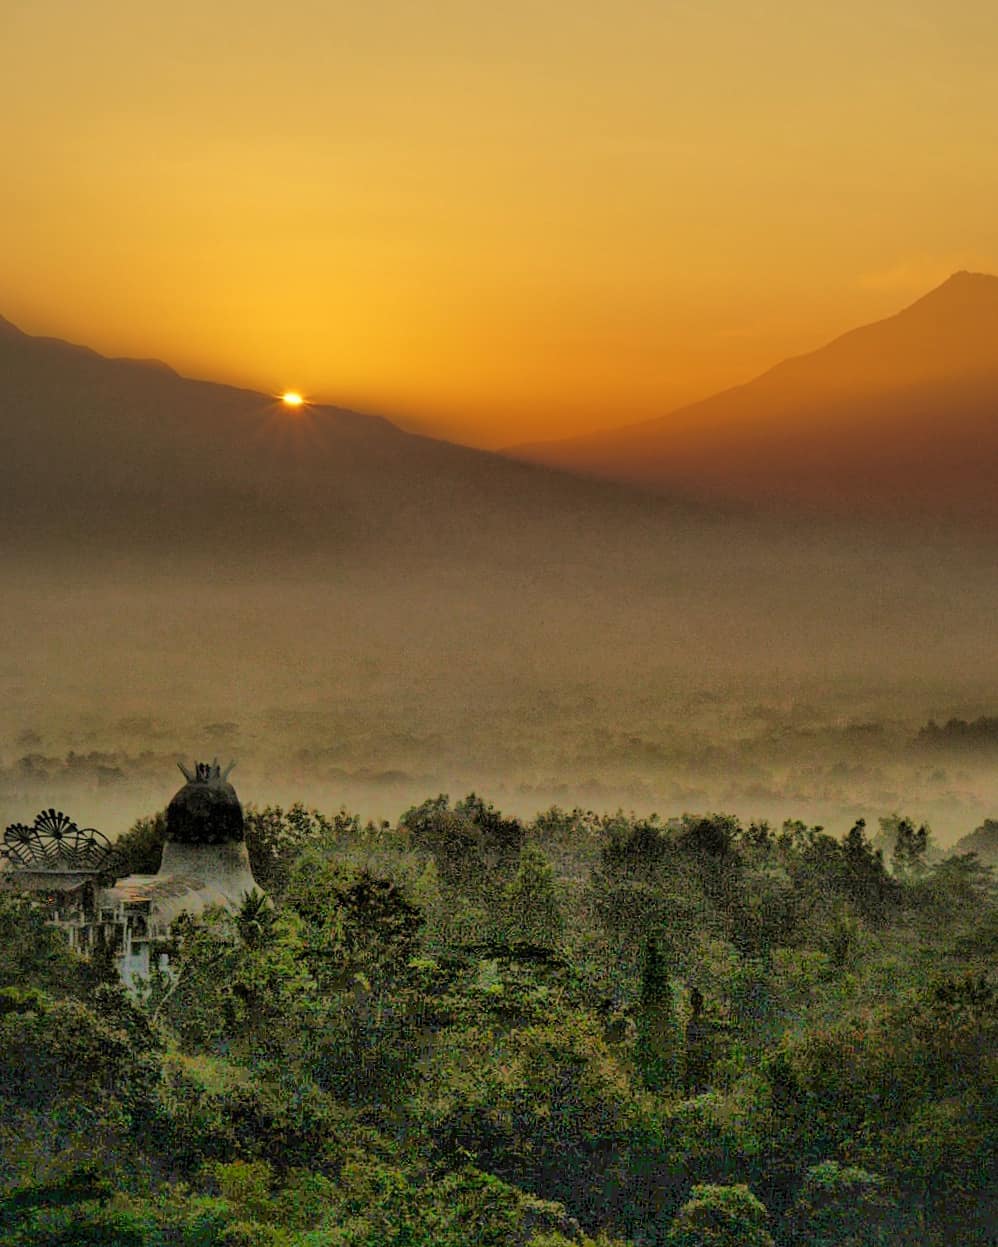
(106, 454)
(381, 602)
(898, 418)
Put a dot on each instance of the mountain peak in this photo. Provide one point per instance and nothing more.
(966, 276)
(962, 289)
(895, 417)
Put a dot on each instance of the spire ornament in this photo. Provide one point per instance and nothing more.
(206, 810)
(206, 772)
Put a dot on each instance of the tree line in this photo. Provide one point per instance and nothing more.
(463, 1028)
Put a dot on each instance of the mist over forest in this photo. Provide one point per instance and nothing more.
(787, 678)
(363, 616)
(761, 1016)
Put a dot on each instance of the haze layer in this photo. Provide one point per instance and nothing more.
(364, 615)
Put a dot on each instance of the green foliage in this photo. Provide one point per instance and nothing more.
(842, 938)
(844, 1206)
(32, 953)
(910, 845)
(470, 843)
(245, 1185)
(256, 921)
(532, 914)
(83, 1184)
(560, 1240)
(84, 1226)
(503, 836)
(545, 1106)
(59, 1056)
(443, 1034)
(140, 850)
(276, 838)
(378, 924)
(358, 935)
(712, 836)
(74, 1087)
(213, 1110)
(385, 1208)
(634, 847)
(865, 881)
(983, 841)
(232, 981)
(658, 1046)
(720, 1216)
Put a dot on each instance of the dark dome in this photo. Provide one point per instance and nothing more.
(205, 811)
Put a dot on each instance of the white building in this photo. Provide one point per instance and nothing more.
(71, 872)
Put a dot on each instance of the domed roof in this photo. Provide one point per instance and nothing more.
(206, 810)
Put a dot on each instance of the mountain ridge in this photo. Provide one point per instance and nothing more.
(823, 429)
(97, 450)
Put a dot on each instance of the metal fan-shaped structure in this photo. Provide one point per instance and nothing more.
(54, 842)
(77, 878)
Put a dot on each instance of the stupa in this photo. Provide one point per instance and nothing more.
(205, 863)
(68, 872)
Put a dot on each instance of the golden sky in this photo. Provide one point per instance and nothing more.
(502, 221)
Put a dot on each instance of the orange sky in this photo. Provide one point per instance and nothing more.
(504, 221)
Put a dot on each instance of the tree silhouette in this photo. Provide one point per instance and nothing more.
(657, 1046)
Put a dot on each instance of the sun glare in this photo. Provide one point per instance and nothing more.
(291, 398)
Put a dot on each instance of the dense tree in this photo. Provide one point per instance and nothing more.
(140, 850)
(32, 952)
(720, 1216)
(544, 1106)
(635, 848)
(471, 843)
(983, 841)
(844, 1206)
(276, 838)
(531, 911)
(712, 836)
(658, 1045)
(231, 982)
(865, 882)
(910, 844)
(442, 1033)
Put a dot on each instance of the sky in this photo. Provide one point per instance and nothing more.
(494, 222)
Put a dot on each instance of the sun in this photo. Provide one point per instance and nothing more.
(291, 398)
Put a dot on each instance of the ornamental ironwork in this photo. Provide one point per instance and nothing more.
(54, 842)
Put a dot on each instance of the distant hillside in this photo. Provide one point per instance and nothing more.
(339, 603)
(896, 418)
(101, 454)
(975, 735)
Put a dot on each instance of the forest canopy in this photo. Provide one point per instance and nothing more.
(465, 1028)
